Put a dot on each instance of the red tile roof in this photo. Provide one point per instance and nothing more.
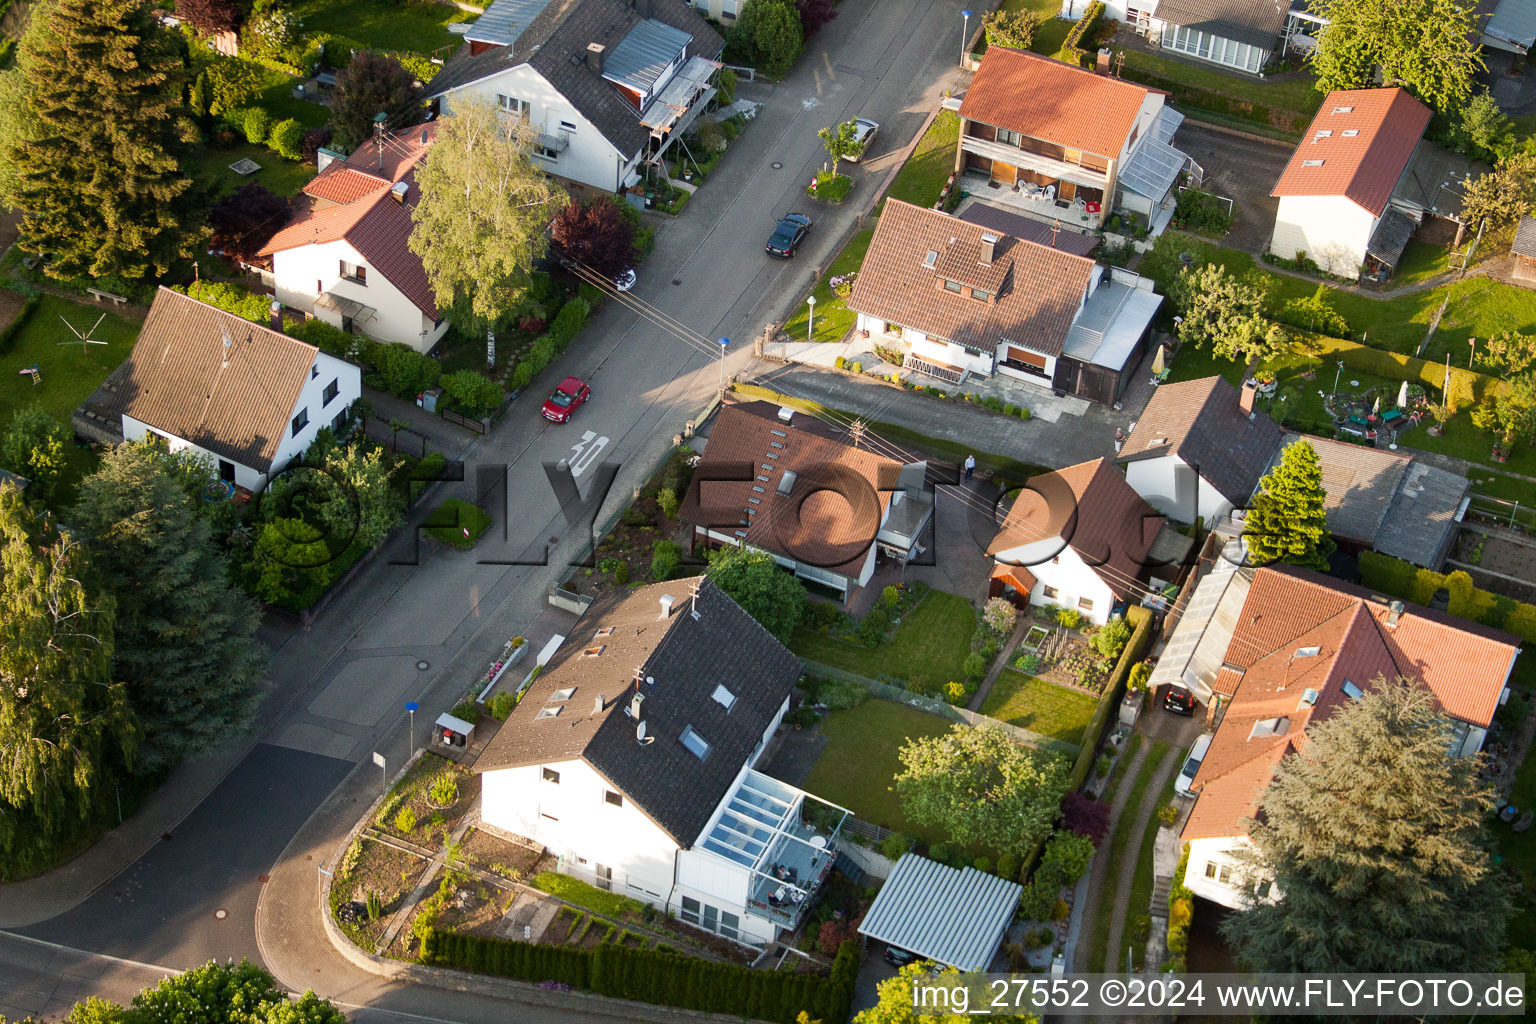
(1365, 166)
(1270, 667)
(1037, 289)
(371, 219)
(1055, 102)
(1091, 508)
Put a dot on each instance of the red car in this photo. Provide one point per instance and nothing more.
(562, 401)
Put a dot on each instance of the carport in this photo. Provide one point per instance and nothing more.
(955, 917)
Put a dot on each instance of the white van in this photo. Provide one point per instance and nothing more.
(1192, 766)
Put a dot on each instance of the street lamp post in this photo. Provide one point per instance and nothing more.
(410, 707)
(965, 33)
(725, 343)
(1336, 375)
(810, 323)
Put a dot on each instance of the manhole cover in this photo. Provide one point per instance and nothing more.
(221, 913)
(554, 540)
(422, 666)
(677, 280)
(776, 166)
(263, 879)
(165, 837)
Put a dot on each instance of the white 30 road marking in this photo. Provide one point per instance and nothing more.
(587, 450)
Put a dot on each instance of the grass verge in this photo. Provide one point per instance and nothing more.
(833, 318)
(922, 177)
(1039, 706)
(931, 644)
(458, 523)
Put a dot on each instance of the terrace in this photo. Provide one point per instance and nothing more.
(786, 838)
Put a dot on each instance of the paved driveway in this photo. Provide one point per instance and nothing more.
(1243, 169)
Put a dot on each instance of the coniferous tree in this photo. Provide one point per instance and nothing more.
(1287, 522)
(98, 161)
(1374, 835)
(186, 637)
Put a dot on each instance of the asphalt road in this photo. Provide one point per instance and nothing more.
(274, 808)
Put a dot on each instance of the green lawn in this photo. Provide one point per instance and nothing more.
(1039, 706)
(860, 760)
(1119, 843)
(930, 644)
(1141, 884)
(70, 372)
(833, 319)
(922, 177)
(1519, 852)
(419, 27)
(1298, 96)
(284, 177)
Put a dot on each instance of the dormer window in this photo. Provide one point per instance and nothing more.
(1269, 727)
(953, 286)
(977, 293)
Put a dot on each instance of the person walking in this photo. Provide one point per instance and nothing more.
(970, 466)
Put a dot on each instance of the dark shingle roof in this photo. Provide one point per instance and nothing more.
(997, 219)
(1360, 484)
(1201, 422)
(687, 658)
(1255, 22)
(555, 45)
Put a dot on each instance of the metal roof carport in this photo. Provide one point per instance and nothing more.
(956, 917)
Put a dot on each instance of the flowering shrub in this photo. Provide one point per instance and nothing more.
(842, 284)
(1000, 616)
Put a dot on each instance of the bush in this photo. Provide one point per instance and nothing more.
(457, 523)
(1066, 858)
(975, 665)
(1202, 211)
(405, 821)
(666, 556)
(1111, 639)
(1513, 713)
(857, 368)
(287, 139)
(1140, 673)
(894, 845)
(1037, 900)
(406, 373)
(842, 694)
(1024, 412)
(1085, 816)
(1013, 29)
(472, 393)
(621, 574)
(871, 632)
(323, 336)
(1398, 578)
(840, 362)
(8, 335)
(1141, 623)
(444, 789)
(666, 500)
(257, 125)
(983, 864)
(1103, 766)
(501, 705)
(1060, 910)
(999, 615)
(569, 322)
(1071, 47)
(314, 140)
(375, 906)
(938, 852)
(231, 298)
(1069, 617)
(890, 597)
(1167, 814)
(954, 693)
(1008, 867)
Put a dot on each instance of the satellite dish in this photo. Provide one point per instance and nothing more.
(84, 339)
(640, 736)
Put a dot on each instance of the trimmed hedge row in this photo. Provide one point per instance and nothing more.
(1114, 688)
(1466, 385)
(1070, 51)
(662, 979)
(1292, 121)
(565, 326)
(1407, 581)
(8, 335)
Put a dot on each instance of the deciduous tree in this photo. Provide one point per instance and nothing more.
(371, 84)
(839, 141)
(1504, 195)
(33, 447)
(243, 220)
(896, 1005)
(596, 233)
(1225, 313)
(185, 637)
(754, 580)
(212, 15)
(770, 32)
(1376, 841)
(814, 14)
(1013, 29)
(1509, 352)
(1286, 521)
(1428, 47)
(99, 161)
(981, 788)
(484, 205)
(1511, 411)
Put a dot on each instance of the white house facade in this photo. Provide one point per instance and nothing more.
(1176, 489)
(1062, 579)
(1241, 37)
(1333, 231)
(306, 277)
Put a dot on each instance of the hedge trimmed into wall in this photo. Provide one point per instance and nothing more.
(662, 979)
(1405, 580)
(562, 329)
(1114, 689)
(1071, 52)
(8, 335)
(1292, 121)
(1466, 385)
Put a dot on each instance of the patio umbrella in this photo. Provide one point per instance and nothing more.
(1402, 396)
(1157, 362)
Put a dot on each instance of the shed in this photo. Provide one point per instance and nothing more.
(1524, 250)
(955, 917)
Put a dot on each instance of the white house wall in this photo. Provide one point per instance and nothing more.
(325, 369)
(1222, 852)
(1064, 571)
(573, 819)
(298, 272)
(1331, 230)
(1174, 488)
(589, 159)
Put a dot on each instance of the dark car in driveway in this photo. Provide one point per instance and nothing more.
(898, 957)
(567, 397)
(786, 238)
(1179, 700)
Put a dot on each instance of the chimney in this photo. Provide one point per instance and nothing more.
(276, 311)
(1441, 601)
(398, 191)
(595, 52)
(988, 249)
(1245, 398)
(1394, 612)
(597, 704)
(634, 705)
(666, 605)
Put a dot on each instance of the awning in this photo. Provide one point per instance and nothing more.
(953, 917)
(1015, 576)
(1391, 237)
(1155, 165)
(350, 308)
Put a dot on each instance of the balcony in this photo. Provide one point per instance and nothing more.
(1050, 167)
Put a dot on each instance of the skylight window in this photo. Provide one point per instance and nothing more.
(592, 652)
(605, 631)
(549, 712)
(1326, 133)
(1270, 727)
(1343, 110)
(725, 698)
(1308, 652)
(1311, 163)
(697, 745)
(1352, 691)
(1350, 133)
(563, 694)
(931, 259)
(1308, 698)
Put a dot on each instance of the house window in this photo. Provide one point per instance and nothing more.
(1050, 593)
(513, 105)
(339, 421)
(331, 391)
(690, 911)
(1085, 604)
(568, 127)
(300, 421)
(697, 745)
(612, 798)
(354, 272)
(725, 698)
(1007, 137)
(314, 371)
(952, 286)
(977, 293)
(547, 152)
(550, 775)
(1220, 872)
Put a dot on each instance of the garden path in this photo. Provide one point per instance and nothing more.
(1098, 874)
(1141, 818)
(999, 663)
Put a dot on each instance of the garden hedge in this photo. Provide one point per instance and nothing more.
(662, 979)
(1071, 52)
(1114, 688)
(562, 329)
(8, 335)
(1292, 121)
(1466, 385)
(1405, 580)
